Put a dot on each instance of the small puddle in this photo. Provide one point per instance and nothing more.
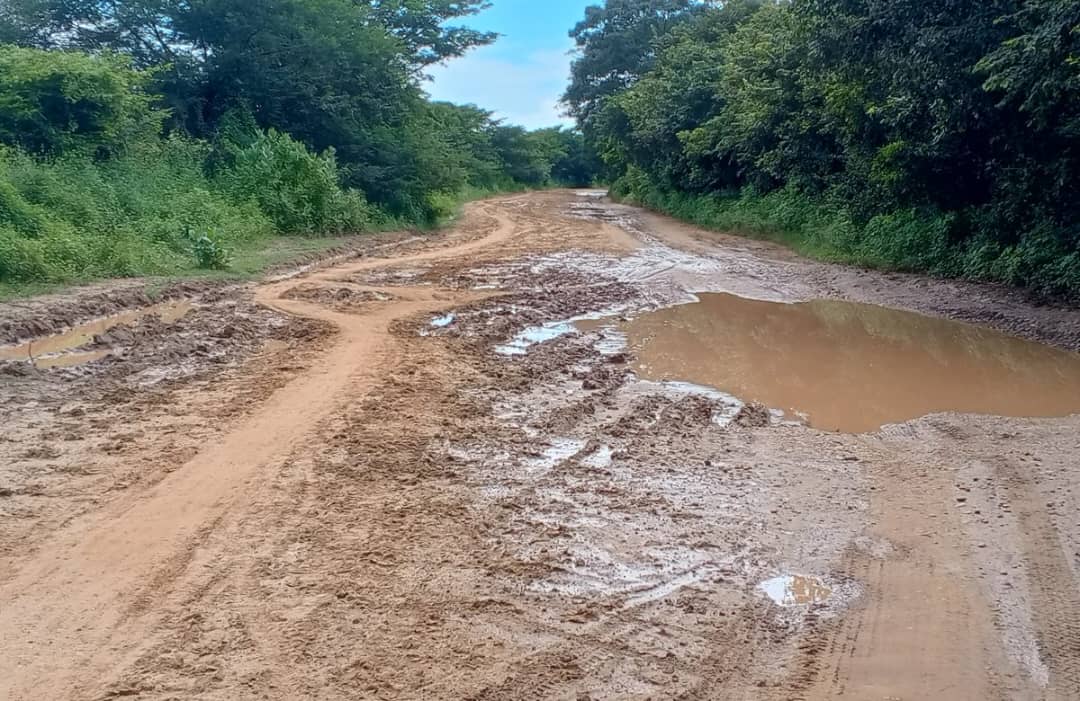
(852, 367)
(520, 344)
(795, 590)
(443, 321)
(559, 449)
(54, 351)
(599, 458)
(542, 333)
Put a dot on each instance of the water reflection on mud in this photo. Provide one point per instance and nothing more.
(55, 351)
(795, 590)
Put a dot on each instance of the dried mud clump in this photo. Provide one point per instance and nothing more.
(601, 377)
(17, 368)
(48, 314)
(339, 298)
(753, 415)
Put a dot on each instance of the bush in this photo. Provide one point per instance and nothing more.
(53, 102)
(298, 190)
(910, 241)
(210, 253)
(73, 219)
(907, 240)
(1039, 261)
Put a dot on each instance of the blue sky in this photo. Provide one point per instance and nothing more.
(521, 76)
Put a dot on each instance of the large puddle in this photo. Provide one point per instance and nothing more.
(852, 367)
(55, 351)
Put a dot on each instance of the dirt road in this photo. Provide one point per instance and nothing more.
(407, 474)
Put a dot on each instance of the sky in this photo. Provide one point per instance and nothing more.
(521, 76)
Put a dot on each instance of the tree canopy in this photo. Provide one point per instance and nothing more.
(937, 134)
(290, 116)
(340, 74)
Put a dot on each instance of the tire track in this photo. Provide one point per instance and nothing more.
(1056, 598)
(75, 595)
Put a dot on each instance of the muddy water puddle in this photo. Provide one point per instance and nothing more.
(59, 350)
(852, 367)
(795, 590)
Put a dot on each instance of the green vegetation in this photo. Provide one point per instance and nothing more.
(150, 137)
(928, 135)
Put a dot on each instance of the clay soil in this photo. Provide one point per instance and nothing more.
(364, 480)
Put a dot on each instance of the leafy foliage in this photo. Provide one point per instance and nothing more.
(210, 253)
(54, 102)
(132, 124)
(927, 135)
(615, 45)
(76, 219)
(296, 189)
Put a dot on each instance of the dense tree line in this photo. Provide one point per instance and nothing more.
(935, 135)
(130, 129)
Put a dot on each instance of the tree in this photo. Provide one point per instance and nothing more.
(422, 27)
(678, 96)
(525, 157)
(941, 134)
(160, 31)
(615, 46)
(52, 103)
(336, 74)
(575, 164)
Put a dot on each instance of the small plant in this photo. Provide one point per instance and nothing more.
(209, 252)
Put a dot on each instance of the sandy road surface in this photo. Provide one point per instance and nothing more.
(370, 480)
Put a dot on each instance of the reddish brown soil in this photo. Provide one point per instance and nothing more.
(306, 489)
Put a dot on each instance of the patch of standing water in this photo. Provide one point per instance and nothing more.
(851, 367)
(599, 458)
(611, 341)
(54, 351)
(520, 344)
(559, 450)
(641, 575)
(533, 335)
(443, 321)
(592, 193)
(795, 590)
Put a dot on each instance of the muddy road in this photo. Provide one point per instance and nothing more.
(565, 450)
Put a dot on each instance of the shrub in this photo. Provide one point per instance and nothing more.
(210, 253)
(298, 190)
(53, 102)
(908, 240)
(74, 218)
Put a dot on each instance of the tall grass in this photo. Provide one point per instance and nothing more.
(147, 211)
(72, 218)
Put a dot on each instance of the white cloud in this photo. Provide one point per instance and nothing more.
(524, 91)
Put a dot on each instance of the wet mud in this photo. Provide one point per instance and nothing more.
(341, 298)
(55, 350)
(448, 469)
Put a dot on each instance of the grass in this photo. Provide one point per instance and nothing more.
(907, 240)
(249, 263)
(253, 260)
(151, 211)
(252, 257)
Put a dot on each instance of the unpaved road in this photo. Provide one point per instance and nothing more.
(366, 481)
